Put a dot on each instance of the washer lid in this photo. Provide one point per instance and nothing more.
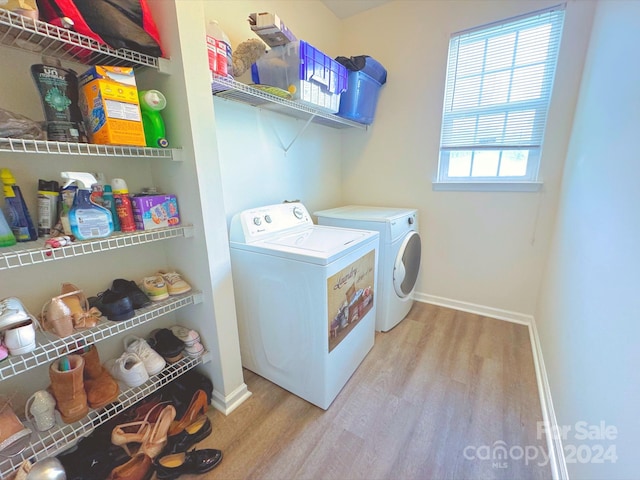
(317, 244)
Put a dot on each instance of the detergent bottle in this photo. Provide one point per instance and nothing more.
(18, 216)
(151, 103)
(87, 219)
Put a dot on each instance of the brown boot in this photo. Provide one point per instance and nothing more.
(14, 437)
(68, 389)
(100, 386)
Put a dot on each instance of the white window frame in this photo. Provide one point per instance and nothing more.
(470, 141)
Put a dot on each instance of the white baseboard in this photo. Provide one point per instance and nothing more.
(485, 311)
(227, 404)
(554, 442)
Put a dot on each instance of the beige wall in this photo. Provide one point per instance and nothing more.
(483, 248)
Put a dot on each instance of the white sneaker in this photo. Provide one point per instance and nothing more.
(175, 284)
(189, 337)
(153, 361)
(195, 350)
(20, 338)
(12, 312)
(128, 369)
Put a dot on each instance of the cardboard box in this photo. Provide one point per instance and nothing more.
(155, 211)
(271, 29)
(110, 106)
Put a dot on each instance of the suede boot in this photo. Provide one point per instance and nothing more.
(68, 389)
(100, 386)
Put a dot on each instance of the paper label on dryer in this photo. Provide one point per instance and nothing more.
(350, 297)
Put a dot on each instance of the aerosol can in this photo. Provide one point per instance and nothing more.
(151, 103)
(87, 219)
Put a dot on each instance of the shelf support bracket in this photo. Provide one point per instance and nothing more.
(300, 132)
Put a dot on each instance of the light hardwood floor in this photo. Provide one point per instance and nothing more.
(434, 398)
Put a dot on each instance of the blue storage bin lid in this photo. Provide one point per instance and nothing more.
(365, 64)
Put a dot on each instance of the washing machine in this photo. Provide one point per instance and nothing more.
(399, 257)
(305, 298)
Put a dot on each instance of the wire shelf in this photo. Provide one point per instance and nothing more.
(230, 89)
(51, 442)
(19, 145)
(23, 33)
(50, 347)
(19, 256)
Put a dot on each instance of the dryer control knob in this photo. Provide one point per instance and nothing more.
(257, 221)
(297, 211)
(410, 220)
(267, 218)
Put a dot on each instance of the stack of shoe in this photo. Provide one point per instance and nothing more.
(191, 339)
(18, 327)
(167, 344)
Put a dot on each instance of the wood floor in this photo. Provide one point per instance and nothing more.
(436, 398)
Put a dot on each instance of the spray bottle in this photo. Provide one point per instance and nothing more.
(16, 209)
(87, 219)
(151, 103)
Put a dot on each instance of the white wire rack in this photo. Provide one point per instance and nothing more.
(19, 145)
(51, 442)
(24, 33)
(230, 89)
(50, 347)
(19, 256)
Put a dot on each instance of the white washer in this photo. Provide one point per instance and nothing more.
(399, 257)
(304, 299)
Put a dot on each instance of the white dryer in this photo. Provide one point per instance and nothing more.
(305, 298)
(399, 257)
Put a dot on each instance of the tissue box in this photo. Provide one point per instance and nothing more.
(271, 29)
(110, 106)
(155, 211)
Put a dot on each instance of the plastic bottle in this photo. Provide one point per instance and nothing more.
(109, 203)
(123, 205)
(87, 219)
(219, 50)
(67, 195)
(6, 235)
(16, 209)
(47, 206)
(151, 103)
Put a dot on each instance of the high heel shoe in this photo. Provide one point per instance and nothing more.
(157, 439)
(134, 432)
(198, 406)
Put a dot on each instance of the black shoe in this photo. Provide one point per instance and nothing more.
(130, 289)
(115, 306)
(167, 344)
(92, 460)
(194, 462)
(187, 438)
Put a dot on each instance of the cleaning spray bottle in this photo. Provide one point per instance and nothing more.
(16, 209)
(87, 219)
(151, 103)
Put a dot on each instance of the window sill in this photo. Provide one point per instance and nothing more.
(486, 186)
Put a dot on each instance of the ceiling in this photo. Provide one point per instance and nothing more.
(344, 9)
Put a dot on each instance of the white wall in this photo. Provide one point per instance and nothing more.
(255, 168)
(589, 305)
(484, 248)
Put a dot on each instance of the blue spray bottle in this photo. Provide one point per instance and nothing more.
(87, 219)
(151, 103)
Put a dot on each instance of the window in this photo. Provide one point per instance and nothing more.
(499, 80)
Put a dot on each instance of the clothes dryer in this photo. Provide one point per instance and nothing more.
(305, 298)
(398, 259)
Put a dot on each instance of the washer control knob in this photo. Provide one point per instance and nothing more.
(297, 211)
(267, 218)
(257, 221)
(411, 220)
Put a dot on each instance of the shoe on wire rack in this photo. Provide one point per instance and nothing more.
(152, 360)
(175, 284)
(155, 288)
(128, 369)
(128, 287)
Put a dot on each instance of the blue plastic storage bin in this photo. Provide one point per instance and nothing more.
(360, 100)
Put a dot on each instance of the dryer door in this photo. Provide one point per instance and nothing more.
(407, 264)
